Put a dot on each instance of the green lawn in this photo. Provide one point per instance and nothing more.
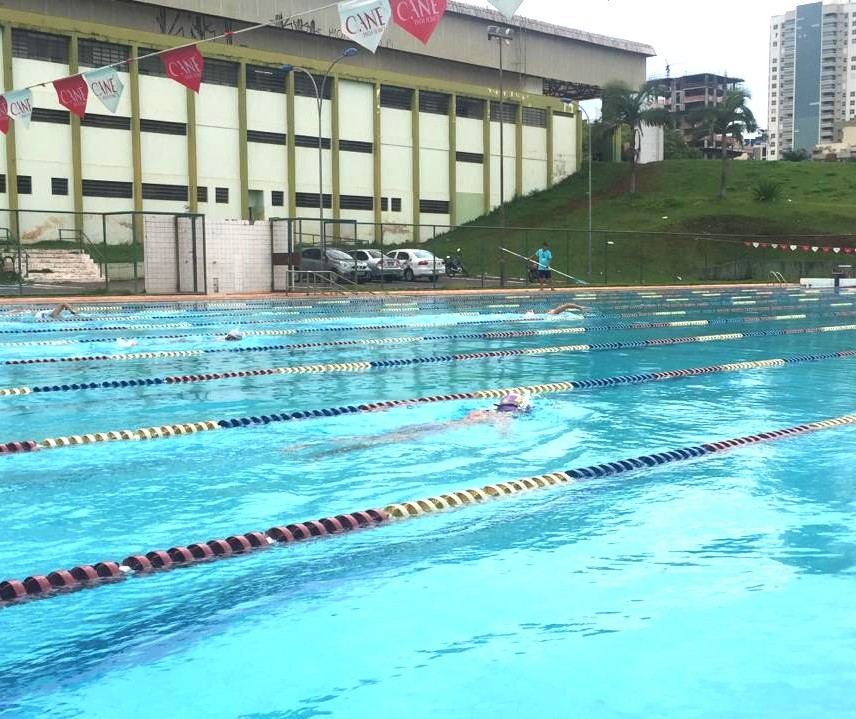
(676, 228)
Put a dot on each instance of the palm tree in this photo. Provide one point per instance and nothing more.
(730, 118)
(633, 108)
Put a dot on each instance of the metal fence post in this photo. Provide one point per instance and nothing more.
(104, 243)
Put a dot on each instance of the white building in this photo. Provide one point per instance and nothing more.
(812, 75)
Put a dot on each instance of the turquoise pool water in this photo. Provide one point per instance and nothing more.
(714, 588)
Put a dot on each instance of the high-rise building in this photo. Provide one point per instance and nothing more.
(812, 76)
(689, 93)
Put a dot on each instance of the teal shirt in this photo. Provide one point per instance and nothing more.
(544, 259)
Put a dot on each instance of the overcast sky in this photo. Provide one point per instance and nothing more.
(730, 35)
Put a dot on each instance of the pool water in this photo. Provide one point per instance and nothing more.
(720, 587)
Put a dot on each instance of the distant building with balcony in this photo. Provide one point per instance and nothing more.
(812, 76)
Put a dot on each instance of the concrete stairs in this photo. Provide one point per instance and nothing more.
(64, 265)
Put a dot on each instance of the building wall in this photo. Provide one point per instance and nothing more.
(233, 142)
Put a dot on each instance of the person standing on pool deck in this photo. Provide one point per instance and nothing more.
(545, 259)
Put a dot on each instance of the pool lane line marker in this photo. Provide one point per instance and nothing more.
(366, 366)
(63, 581)
(177, 430)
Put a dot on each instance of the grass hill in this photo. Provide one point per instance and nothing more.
(676, 226)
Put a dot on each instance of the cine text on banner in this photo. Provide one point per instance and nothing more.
(184, 65)
(106, 86)
(72, 93)
(507, 7)
(365, 21)
(418, 17)
(18, 105)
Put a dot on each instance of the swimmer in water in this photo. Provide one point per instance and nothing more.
(567, 307)
(514, 404)
(233, 336)
(56, 313)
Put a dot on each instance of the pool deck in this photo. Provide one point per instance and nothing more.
(132, 299)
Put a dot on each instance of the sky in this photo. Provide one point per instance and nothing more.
(728, 36)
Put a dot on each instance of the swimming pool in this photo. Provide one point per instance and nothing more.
(700, 584)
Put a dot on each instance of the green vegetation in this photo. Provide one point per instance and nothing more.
(679, 198)
(767, 190)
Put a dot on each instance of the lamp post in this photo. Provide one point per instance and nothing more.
(569, 101)
(319, 98)
(504, 35)
(606, 262)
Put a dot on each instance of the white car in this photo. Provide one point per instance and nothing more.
(419, 263)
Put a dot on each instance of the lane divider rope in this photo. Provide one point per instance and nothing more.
(62, 581)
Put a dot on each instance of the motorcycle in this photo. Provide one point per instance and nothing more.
(455, 266)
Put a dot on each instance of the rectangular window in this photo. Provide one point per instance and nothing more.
(303, 86)
(172, 193)
(396, 204)
(220, 72)
(106, 122)
(385, 204)
(311, 142)
(108, 188)
(310, 200)
(3, 184)
(54, 117)
(476, 158)
(396, 98)
(25, 185)
(534, 117)
(434, 103)
(152, 66)
(277, 198)
(356, 202)
(510, 112)
(221, 195)
(266, 79)
(470, 107)
(201, 194)
(59, 186)
(356, 146)
(266, 138)
(434, 207)
(94, 53)
(29, 45)
(162, 127)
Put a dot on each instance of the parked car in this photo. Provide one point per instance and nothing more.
(314, 259)
(419, 263)
(381, 267)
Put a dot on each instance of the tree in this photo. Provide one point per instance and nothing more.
(623, 106)
(676, 147)
(730, 118)
(795, 155)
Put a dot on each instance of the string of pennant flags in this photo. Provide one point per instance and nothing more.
(362, 21)
(785, 247)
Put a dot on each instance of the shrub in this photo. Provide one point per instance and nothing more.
(767, 191)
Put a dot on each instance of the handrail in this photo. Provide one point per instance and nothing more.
(778, 278)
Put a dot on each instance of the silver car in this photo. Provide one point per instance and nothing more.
(314, 259)
(381, 267)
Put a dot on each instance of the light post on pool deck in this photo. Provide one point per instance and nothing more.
(570, 101)
(319, 98)
(504, 35)
(606, 261)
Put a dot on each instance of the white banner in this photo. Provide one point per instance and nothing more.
(19, 105)
(106, 86)
(365, 21)
(507, 7)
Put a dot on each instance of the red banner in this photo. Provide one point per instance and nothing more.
(4, 116)
(805, 248)
(72, 93)
(184, 65)
(418, 17)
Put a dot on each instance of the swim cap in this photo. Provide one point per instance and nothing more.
(514, 402)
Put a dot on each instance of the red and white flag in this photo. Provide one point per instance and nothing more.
(4, 116)
(418, 17)
(73, 94)
(184, 65)
(365, 21)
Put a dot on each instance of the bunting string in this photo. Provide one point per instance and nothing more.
(786, 247)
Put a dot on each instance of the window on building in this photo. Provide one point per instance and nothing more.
(311, 142)
(59, 186)
(151, 66)
(54, 117)
(266, 79)
(94, 53)
(470, 107)
(356, 202)
(3, 184)
(108, 188)
(434, 207)
(29, 45)
(220, 72)
(303, 86)
(106, 122)
(266, 138)
(356, 146)
(534, 117)
(396, 98)
(277, 198)
(509, 110)
(434, 103)
(25, 185)
(202, 194)
(310, 200)
(221, 195)
(171, 193)
(162, 127)
(475, 158)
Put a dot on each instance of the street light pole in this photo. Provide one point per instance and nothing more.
(569, 101)
(504, 35)
(319, 99)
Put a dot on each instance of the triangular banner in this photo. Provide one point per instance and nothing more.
(19, 106)
(836, 250)
(507, 7)
(184, 65)
(72, 93)
(815, 249)
(365, 21)
(4, 116)
(848, 250)
(418, 17)
(106, 86)
(793, 248)
(756, 245)
(775, 247)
